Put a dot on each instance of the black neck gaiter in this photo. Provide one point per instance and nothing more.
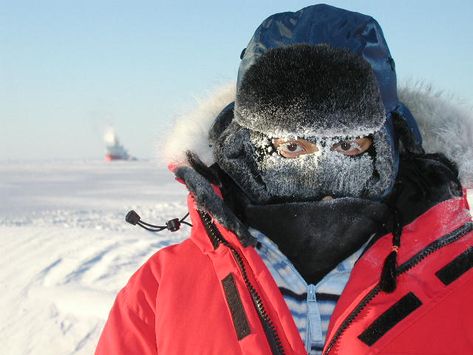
(316, 236)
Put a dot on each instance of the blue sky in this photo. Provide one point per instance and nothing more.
(68, 69)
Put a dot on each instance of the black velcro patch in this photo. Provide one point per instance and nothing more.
(390, 318)
(457, 267)
(240, 322)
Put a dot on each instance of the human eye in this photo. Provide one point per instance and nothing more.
(293, 148)
(353, 147)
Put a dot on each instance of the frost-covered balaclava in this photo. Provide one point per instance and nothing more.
(318, 93)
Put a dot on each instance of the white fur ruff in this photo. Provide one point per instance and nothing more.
(446, 127)
(190, 131)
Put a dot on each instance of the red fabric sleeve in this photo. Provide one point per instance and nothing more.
(130, 328)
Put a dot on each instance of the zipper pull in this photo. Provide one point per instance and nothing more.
(311, 293)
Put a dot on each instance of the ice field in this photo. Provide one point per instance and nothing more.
(66, 249)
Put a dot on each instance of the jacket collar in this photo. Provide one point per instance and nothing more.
(435, 222)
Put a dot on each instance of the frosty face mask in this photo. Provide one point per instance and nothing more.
(310, 169)
(325, 97)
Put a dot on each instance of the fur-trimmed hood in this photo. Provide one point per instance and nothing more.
(446, 127)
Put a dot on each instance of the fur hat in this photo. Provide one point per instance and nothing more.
(317, 93)
(310, 91)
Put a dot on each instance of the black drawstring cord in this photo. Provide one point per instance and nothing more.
(183, 218)
(172, 225)
(388, 281)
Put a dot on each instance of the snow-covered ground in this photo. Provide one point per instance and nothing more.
(65, 249)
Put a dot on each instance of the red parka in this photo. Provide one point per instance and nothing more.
(211, 295)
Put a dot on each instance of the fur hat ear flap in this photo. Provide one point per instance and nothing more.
(406, 137)
(221, 122)
(198, 180)
(407, 130)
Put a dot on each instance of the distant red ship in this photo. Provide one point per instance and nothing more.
(114, 150)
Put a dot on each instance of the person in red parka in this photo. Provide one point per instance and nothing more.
(320, 222)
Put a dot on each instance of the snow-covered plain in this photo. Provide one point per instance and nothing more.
(66, 249)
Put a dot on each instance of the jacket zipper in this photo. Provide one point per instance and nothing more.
(270, 330)
(416, 259)
(312, 312)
